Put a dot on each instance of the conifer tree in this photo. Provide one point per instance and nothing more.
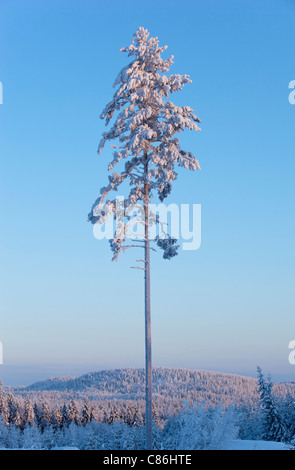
(4, 414)
(288, 416)
(44, 416)
(64, 416)
(13, 410)
(145, 130)
(28, 416)
(56, 418)
(73, 415)
(86, 416)
(37, 414)
(273, 428)
(114, 414)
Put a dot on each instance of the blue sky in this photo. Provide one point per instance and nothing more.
(65, 307)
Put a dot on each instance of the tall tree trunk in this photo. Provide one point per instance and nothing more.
(148, 343)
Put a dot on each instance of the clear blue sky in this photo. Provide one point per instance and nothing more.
(64, 305)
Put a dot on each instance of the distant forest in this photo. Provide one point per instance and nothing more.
(255, 409)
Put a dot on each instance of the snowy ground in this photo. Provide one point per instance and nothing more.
(232, 445)
(65, 448)
(257, 445)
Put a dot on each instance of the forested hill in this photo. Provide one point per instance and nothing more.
(177, 384)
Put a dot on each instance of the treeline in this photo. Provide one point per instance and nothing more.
(194, 428)
(169, 385)
(21, 412)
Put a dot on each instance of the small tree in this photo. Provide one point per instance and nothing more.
(145, 129)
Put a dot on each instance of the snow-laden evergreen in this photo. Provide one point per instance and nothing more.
(273, 427)
(144, 131)
(200, 428)
(195, 428)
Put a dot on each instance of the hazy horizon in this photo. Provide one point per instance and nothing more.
(24, 375)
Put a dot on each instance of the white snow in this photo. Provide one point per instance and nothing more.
(232, 445)
(145, 128)
(256, 445)
(64, 448)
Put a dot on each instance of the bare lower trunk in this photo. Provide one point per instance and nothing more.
(148, 343)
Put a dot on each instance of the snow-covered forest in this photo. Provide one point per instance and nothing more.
(105, 410)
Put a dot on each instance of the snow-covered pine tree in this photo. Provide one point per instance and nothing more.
(4, 414)
(44, 416)
(287, 412)
(273, 427)
(56, 418)
(64, 416)
(13, 410)
(28, 415)
(114, 414)
(31, 438)
(73, 415)
(37, 414)
(145, 129)
(86, 415)
(137, 418)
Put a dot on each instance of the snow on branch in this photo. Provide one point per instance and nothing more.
(145, 124)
